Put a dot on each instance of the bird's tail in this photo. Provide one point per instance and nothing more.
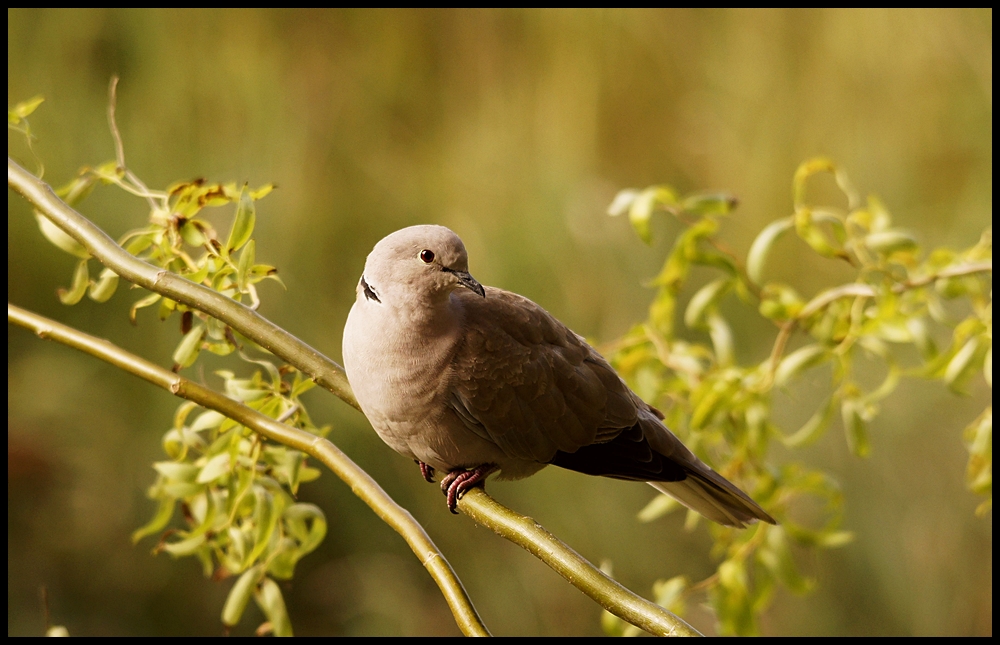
(710, 494)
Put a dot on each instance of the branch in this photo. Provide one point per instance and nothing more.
(608, 593)
(320, 449)
(858, 290)
(480, 507)
(238, 316)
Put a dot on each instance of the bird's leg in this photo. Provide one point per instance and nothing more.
(457, 482)
(426, 471)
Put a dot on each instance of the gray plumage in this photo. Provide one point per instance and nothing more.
(461, 378)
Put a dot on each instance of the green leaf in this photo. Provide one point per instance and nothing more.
(814, 427)
(307, 524)
(722, 339)
(703, 300)
(271, 602)
(239, 595)
(207, 419)
(146, 301)
(761, 247)
(855, 427)
(890, 241)
(641, 209)
(104, 287)
(669, 593)
(23, 109)
(246, 217)
(167, 307)
(798, 362)
(817, 165)
(187, 351)
(177, 471)
(185, 547)
(60, 238)
(245, 266)
(163, 514)
(216, 467)
(191, 234)
(139, 244)
(779, 302)
(622, 201)
(963, 365)
(76, 291)
(807, 229)
(709, 204)
(267, 511)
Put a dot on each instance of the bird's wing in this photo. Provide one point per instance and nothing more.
(524, 381)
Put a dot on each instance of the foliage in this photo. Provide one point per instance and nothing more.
(724, 410)
(235, 491)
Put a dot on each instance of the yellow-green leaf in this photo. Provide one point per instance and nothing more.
(189, 347)
(622, 201)
(271, 602)
(246, 217)
(761, 247)
(245, 265)
(705, 298)
(239, 595)
(104, 287)
(798, 362)
(185, 547)
(855, 427)
(216, 467)
(163, 514)
(23, 109)
(146, 301)
(76, 291)
(814, 427)
(60, 238)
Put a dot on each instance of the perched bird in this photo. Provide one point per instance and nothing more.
(471, 380)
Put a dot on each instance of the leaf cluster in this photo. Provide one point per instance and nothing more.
(724, 410)
(235, 491)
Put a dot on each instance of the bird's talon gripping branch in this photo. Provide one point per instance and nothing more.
(455, 484)
(426, 471)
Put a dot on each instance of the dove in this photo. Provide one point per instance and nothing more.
(472, 381)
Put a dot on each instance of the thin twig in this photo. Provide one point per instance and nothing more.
(120, 146)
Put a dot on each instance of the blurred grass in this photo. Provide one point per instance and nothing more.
(514, 128)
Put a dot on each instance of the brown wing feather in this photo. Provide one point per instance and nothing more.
(543, 388)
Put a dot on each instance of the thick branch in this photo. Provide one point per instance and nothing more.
(479, 506)
(320, 449)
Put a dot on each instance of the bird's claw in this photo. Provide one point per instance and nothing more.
(457, 482)
(426, 471)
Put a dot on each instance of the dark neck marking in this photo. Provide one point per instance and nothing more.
(369, 292)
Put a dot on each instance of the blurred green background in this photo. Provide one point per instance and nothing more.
(514, 128)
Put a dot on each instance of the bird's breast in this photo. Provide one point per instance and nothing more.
(395, 365)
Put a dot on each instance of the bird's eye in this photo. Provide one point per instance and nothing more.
(427, 256)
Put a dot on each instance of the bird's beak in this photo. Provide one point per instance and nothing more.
(466, 280)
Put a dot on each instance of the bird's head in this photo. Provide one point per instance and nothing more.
(424, 262)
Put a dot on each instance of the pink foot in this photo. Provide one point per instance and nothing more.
(426, 471)
(457, 482)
